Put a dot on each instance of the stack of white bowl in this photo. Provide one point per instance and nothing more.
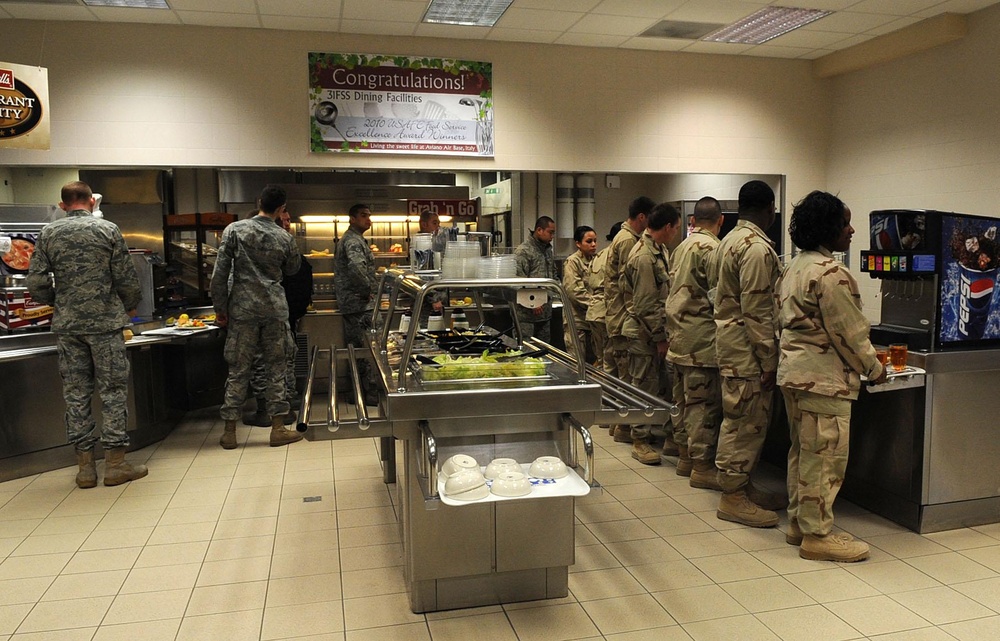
(461, 259)
(493, 267)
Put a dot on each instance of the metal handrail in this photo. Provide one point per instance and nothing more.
(333, 406)
(306, 403)
(588, 448)
(359, 395)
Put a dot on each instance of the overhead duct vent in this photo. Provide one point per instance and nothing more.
(680, 30)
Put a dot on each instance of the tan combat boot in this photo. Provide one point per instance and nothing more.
(833, 547)
(87, 476)
(765, 498)
(670, 448)
(644, 453)
(611, 430)
(738, 508)
(684, 463)
(705, 475)
(281, 436)
(117, 470)
(794, 534)
(622, 434)
(228, 440)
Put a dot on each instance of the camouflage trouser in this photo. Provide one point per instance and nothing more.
(245, 341)
(678, 426)
(702, 412)
(746, 411)
(87, 361)
(817, 460)
(357, 332)
(645, 371)
(616, 360)
(598, 341)
(531, 328)
(582, 336)
(258, 377)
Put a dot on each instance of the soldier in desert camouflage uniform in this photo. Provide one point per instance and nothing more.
(614, 301)
(824, 351)
(644, 284)
(691, 325)
(95, 291)
(575, 272)
(746, 349)
(356, 286)
(534, 260)
(249, 301)
(597, 310)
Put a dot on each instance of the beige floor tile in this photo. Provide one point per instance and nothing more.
(108, 539)
(317, 476)
(311, 522)
(927, 634)
(355, 460)
(310, 505)
(892, 576)
(552, 623)
(604, 584)
(359, 500)
(163, 630)
(493, 626)
(70, 525)
(951, 567)
(61, 615)
(834, 584)
(157, 579)
(230, 597)
(658, 506)
(18, 527)
(468, 612)
(148, 606)
(961, 539)
(150, 487)
(140, 503)
(807, 623)
(771, 593)
(240, 548)
(173, 553)
(974, 630)
(876, 615)
(11, 616)
(699, 502)
(694, 546)
(593, 557)
(905, 545)
(373, 582)
(114, 521)
(196, 498)
(754, 539)
(583, 536)
(210, 470)
(49, 544)
(626, 530)
(72, 634)
(9, 545)
(20, 591)
(611, 479)
(370, 535)
(249, 509)
(643, 551)
(234, 571)
(724, 568)
(985, 591)
(598, 512)
(303, 562)
(669, 575)
(315, 588)
(786, 560)
(699, 603)
(100, 560)
(667, 633)
(634, 493)
(237, 626)
(24, 567)
(378, 611)
(744, 628)
(988, 556)
(180, 516)
(353, 486)
(864, 524)
(676, 524)
(90, 584)
(627, 614)
(942, 605)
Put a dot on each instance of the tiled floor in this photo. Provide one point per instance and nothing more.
(217, 545)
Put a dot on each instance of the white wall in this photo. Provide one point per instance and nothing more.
(921, 133)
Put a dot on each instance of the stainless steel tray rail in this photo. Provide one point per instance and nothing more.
(588, 450)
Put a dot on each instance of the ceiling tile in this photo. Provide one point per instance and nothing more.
(808, 39)
(564, 5)
(590, 40)
(522, 35)
(721, 11)
(213, 19)
(611, 25)
(377, 27)
(48, 12)
(724, 48)
(125, 14)
(893, 7)
(656, 44)
(767, 50)
(314, 8)
(825, 5)
(300, 23)
(849, 22)
(398, 10)
(964, 6)
(515, 18)
(895, 25)
(455, 31)
(216, 6)
(638, 8)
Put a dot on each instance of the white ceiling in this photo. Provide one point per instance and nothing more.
(588, 23)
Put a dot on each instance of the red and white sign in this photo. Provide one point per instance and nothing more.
(24, 107)
(19, 312)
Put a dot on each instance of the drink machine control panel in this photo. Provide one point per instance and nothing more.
(888, 264)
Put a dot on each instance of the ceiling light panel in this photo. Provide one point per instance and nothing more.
(766, 24)
(476, 13)
(136, 4)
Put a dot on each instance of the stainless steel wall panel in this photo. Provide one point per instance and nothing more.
(534, 533)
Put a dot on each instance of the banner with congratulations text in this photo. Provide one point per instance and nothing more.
(400, 105)
(24, 107)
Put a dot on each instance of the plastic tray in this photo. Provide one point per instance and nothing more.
(178, 331)
(569, 485)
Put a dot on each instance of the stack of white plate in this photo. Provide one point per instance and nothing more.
(497, 267)
(460, 259)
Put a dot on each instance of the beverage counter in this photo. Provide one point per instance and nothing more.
(169, 375)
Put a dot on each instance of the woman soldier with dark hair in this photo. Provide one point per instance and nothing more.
(824, 352)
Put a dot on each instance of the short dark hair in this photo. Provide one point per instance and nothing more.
(426, 214)
(817, 219)
(582, 231)
(543, 222)
(663, 214)
(707, 209)
(617, 227)
(756, 197)
(356, 209)
(76, 192)
(641, 205)
(271, 198)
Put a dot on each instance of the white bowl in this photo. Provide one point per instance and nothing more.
(500, 465)
(548, 467)
(458, 463)
(511, 484)
(466, 485)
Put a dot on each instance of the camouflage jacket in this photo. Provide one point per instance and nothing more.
(690, 317)
(355, 282)
(95, 279)
(824, 335)
(575, 272)
(534, 260)
(645, 282)
(595, 285)
(746, 342)
(253, 257)
(614, 299)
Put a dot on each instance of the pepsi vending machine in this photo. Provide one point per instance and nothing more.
(939, 271)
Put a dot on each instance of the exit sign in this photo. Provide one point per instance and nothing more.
(491, 190)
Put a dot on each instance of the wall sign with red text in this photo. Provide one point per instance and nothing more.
(24, 107)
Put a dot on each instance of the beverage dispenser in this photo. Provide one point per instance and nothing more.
(938, 273)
